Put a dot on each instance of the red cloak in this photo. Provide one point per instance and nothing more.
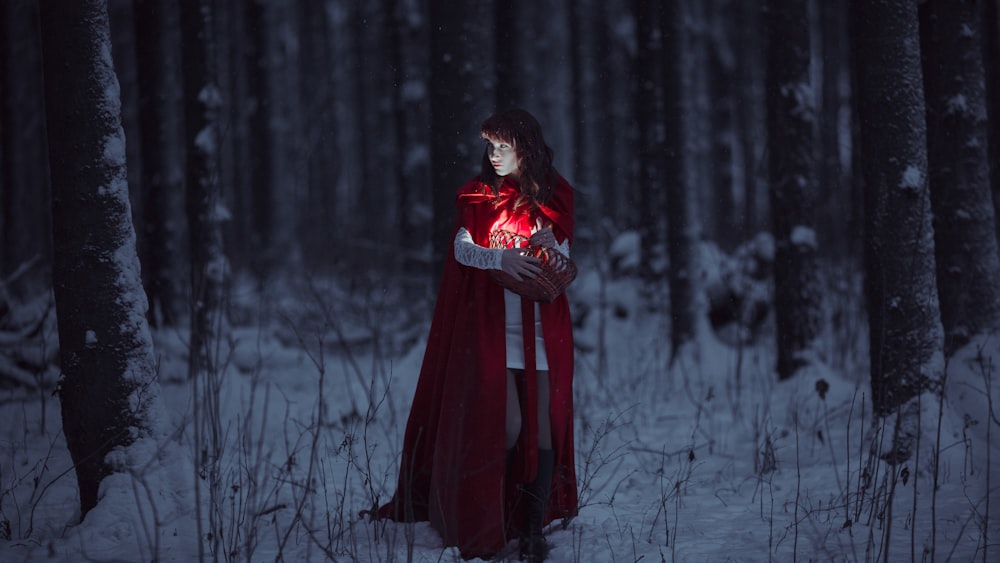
(452, 468)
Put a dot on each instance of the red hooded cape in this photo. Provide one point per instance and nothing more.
(452, 468)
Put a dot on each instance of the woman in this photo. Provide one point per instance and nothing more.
(488, 448)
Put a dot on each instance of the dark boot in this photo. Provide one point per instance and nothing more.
(535, 498)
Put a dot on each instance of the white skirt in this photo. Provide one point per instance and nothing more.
(515, 336)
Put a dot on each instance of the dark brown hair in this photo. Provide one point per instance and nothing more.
(522, 131)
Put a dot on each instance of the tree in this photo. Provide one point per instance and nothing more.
(905, 334)
(410, 39)
(590, 112)
(686, 307)
(965, 242)
(650, 66)
(272, 185)
(726, 226)
(531, 80)
(750, 118)
(205, 210)
(317, 232)
(162, 152)
(461, 98)
(991, 60)
(108, 387)
(24, 194)
(834, 180)
(790, 123)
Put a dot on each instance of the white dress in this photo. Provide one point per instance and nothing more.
(471, 254)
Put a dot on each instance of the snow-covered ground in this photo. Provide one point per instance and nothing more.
(709, 460)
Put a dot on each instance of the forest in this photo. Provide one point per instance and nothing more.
(223, 225)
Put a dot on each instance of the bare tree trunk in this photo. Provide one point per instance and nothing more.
(968, 265)
(205, 211)
(462, 86)
(751, 114)
(162, 149)
(261, 141)
(906, 338)
(317, 232)
(834, 183)
(991, 60)
(351, 146)
(108, 385)
(533, 50)
(726, 223)
(650, 66)
(687, 308)
(25, 222)
(376, 125)
(618, 149)
(591, 113)
(411, 38)
(791, 119)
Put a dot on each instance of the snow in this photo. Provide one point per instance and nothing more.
(957, 104)
(913, 178)
(804, 236)
(710, 460)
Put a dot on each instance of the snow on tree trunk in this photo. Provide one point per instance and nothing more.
(968, 266)
(108, 389)
(905, 334)
(791, 119)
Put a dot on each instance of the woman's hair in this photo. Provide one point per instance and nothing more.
(522, 131)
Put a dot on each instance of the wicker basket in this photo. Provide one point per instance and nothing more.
(558, 271)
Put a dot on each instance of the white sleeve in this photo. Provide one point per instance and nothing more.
(471, 254)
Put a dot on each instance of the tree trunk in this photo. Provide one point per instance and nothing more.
(462, 97)
(591, 113)
(834, 186)
(413, 172)
(205, 211)
(261, 142)
(906, 339)
(121, 17)
(532, 51)
(162, 152)
(24, 176)
(991, 59)
(750, 113)
(965, 242)
(682, 236)
(650, 66)
(376, 125)
(790, 123)
(108, 385)
(726, 221)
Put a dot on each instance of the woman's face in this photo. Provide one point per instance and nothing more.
(502, 156)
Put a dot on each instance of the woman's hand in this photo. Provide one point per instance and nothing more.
(514, 262)
(544, 238)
